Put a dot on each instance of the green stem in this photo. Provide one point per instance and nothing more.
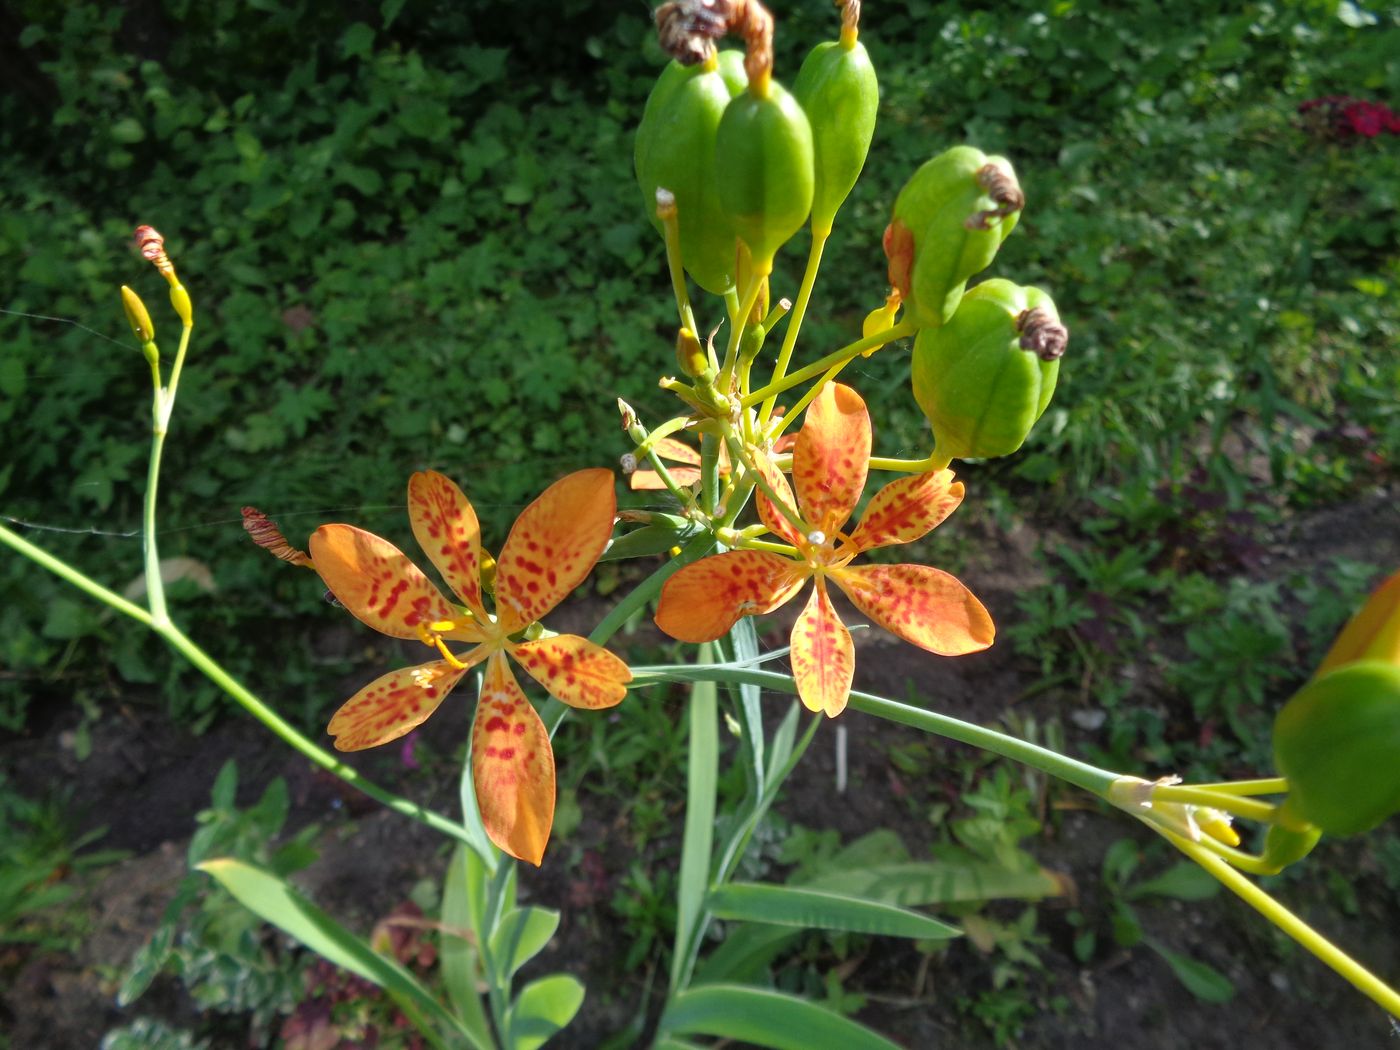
(202, 660)
(932, 461)
(736, 333)
(1270, 786)
(799, 311)
(1081, 774)
(836, 357)
(1360, 978)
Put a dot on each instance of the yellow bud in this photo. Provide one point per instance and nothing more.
(180, 300)
(691, 356)
(1372, 634)
(136, 316)
(487, 570)
(881, 319)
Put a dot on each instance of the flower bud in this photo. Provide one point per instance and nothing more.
(985, 377)
(675, 150)
(1284, 846)
(949, 220)
(1373, 633)
(137, 316)
(838, 91)
(763, 150)
(691, 356)
(180, 300)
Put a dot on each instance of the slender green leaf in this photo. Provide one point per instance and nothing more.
(461, 969)
(1183, 881)
(1203, 981)
(766, 1018)
(651, 539)
(791, 906)
(919, 883)
(743, 646)
(702, 774)
(275, 901)
(542, 1008)
(520, 936)
(781, 747)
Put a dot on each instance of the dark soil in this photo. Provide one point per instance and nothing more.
(146, 780)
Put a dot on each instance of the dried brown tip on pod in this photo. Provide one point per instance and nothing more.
(850, 15)
(265, 533)
(1042, 333)
(1001, 185)
(687, 29)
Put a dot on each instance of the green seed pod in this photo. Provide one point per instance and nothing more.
(985, 377)
(949, 221)
(1284, 846)
(1337, 742)
(840, 94)
(764, 157)
(675, 150)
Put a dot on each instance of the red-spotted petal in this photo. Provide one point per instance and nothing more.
(703, 600)
(378, 584)
(392, 705)
(907, 508)
(574, 670)
(445, 526)
(832, 457)
(922, 605)
(650, 480)
(512, 766)
(670, 448)
(823, 658)
(553, 545)
(767, 512)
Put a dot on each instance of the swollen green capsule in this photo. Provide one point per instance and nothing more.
(764, 156)
(1337, 742)
(840, 94)
(1284, 846)
(675, 150)
(949, 220)
(985, 377)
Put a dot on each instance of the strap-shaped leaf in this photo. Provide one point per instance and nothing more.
(939, 882)
(766, 1018)
(697, 841)
(792, 906)
(520, 936)
(272, 899)
(541, 1009)
(652, 539)
(461, 968)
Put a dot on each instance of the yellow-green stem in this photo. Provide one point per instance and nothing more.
(736, 332)
(836, 357)
(738, 454)
(799, 311)
(1360, 978)
(1271, 786)
(911, 466)
(1196, 796)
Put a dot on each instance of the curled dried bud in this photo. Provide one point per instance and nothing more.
(152, 247)
(1001, 185)
(687, 29)
(665, 204)
(628, 463)
(1042, 333)
(265, 533)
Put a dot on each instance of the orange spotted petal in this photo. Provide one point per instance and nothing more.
(553, 545)
(512, 766)
(823, 658)
(769, 514)
(647, 480)
(574, 670)
(924, 606)
(907, 508)
(378, 584)
(670, 448)
(392, 705)
(446, 528)
(703, 600)
(832, 457)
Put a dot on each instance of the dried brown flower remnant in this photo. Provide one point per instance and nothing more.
(687, 30)
(152, 246)
(265, 533)
(1001, 185)
(1042, 333)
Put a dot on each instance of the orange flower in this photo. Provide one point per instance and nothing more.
(644, 479)
(553, 545)
(922, 605)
